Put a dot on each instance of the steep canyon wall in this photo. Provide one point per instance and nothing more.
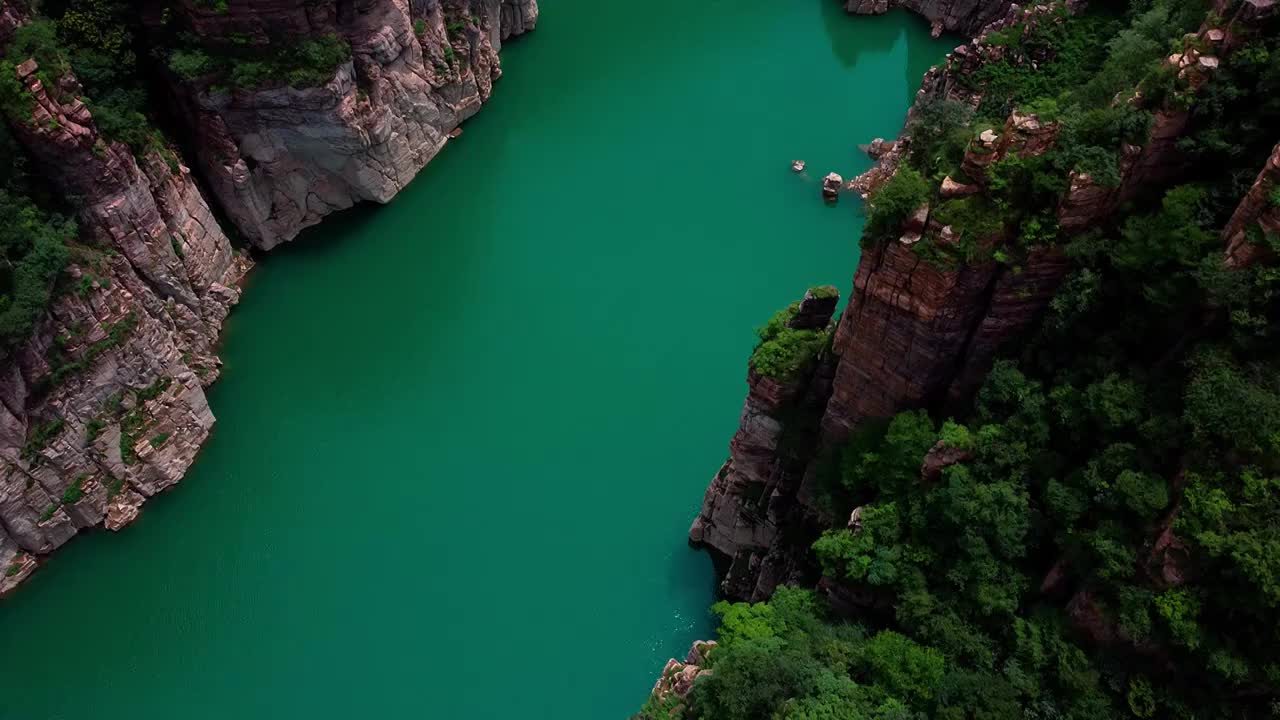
(280, 158)
(920, 331)
(104, 405)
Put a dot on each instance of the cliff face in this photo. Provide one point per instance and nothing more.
(1258, 212)
(753, 497)
(280, 158)
(921, 330)
(104, 405)
(961, 16)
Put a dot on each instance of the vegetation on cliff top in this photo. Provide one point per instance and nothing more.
(93, 39)
(300, 64)
(1103, 538)
(784, 352)
(1075, 71)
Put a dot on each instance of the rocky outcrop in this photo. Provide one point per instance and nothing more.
(1257, 215)
(676, 681)
(279, 158)
(947, 81)
(104, 405)
(754, 494)
(958, 16)
(897, 341)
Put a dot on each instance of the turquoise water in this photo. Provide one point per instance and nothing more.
(461, 437)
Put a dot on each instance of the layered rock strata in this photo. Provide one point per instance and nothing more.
(753, 496)
(280, 158)
(104, 405)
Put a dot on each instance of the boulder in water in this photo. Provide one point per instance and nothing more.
(831, 186)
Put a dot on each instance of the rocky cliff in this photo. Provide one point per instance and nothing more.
(753, 499)
(934, 301)
(280, 157)
(958, 16)
(103, 405)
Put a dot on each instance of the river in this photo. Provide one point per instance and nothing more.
(461, 437)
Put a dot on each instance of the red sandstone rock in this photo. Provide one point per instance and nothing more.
(677, 677)
(939, 458)
(1257, 212)
(898, 340)
(953, 189)
(831, 186)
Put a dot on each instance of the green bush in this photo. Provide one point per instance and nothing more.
(39, 39)
(777, 323)
(34, 243)
(787, 353)
(191, 63)
(15, 102)
(893, 203)
(974, 219)
(74, 491)
(40, 436)
(303, 64)
(939, 134)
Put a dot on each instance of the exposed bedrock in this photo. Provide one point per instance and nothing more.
(1258, 213)
(104, 405)
(960, 16)
(280, 158)
(753, 496)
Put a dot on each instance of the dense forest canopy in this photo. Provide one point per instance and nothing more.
(1109, 544)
